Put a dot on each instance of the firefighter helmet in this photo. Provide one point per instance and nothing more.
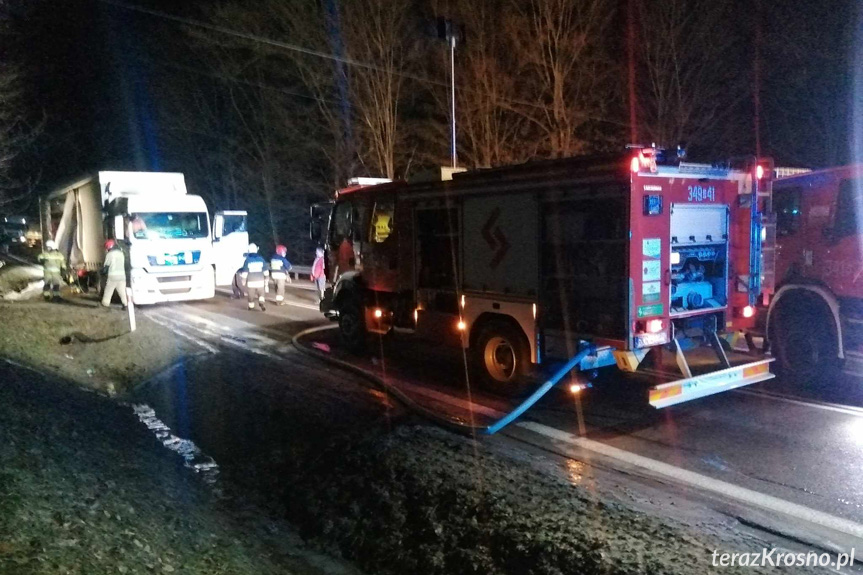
(51, 245)
(109, 244)
(281, 250)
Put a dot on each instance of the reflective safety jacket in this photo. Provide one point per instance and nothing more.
(115, 264)
(52, 261)
(279, 267)
(255, 271)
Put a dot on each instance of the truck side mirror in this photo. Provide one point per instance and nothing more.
(119, 228)
(218, 226)
(315, 230)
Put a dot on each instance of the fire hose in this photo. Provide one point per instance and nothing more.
(448, 422)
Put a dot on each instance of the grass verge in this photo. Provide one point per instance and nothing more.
(84, 488)
(101, 352)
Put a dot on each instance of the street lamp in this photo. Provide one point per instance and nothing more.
(447, 31)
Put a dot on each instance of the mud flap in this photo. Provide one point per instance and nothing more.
(684, 390)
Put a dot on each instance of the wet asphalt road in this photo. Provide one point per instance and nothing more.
(802, 445)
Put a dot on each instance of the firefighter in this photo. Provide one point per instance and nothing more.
(255, 271)
(279, 268)
(114, 271)
(53, 267)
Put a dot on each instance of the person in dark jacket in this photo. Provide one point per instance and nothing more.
(279, 268)
(255, 271)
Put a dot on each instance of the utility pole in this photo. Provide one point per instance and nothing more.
(452, 93)
(446, 30)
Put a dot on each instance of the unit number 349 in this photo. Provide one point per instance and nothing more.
(702, 194)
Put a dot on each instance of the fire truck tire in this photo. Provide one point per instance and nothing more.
(501, 359)
(804, 343)
(352, 326)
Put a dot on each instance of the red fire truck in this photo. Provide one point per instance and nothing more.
(815, 318)
(522, 266)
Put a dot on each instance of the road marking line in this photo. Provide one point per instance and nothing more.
(682, 475)
(177, 331)
(245, 329)
(287, 302)
(201, 319)
(176, 322)
(701, 481)
(248, 348)
(446, 398)
(302, 305)
(846, 409)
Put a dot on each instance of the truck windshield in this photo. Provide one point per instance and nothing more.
(168, 225)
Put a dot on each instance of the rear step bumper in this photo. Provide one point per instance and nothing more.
(684, 390)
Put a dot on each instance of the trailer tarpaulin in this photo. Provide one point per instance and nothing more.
(79, 234)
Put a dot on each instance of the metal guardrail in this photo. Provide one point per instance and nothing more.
(297, 271)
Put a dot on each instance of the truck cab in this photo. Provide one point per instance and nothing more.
(170, 252)
(174, 250)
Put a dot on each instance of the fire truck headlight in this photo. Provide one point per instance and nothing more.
(654, 326)
(461, 325)
(379, 313)
(748, 311)
(759, 172)
(675, 258)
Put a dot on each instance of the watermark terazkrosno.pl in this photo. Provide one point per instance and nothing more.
(781, 558)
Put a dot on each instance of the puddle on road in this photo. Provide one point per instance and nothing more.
(193, 457)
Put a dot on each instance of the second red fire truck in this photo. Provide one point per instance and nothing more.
(815, 318)
(651, 261)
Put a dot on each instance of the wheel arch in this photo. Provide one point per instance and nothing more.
(487, 317)
(349, 283)
(788, 292)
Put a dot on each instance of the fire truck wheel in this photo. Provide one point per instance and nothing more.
(352, 325)
(501, 358)
(805, 343)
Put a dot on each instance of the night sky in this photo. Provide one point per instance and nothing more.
(88, 65)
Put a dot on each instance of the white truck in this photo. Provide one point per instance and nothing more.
(174, 253)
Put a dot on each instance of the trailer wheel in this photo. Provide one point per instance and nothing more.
(352, 325)
(501, 358)
(804, 342)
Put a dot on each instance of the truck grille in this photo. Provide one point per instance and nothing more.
(171, 291)
(169, 279)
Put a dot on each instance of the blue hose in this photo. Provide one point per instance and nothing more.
(543, 389)
(431, 415)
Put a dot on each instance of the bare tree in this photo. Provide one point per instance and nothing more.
(567, 71)
(17, 133)
(377, 32)
(491, 130)
(689, 84)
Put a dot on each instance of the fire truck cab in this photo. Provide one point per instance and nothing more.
(815, 318)
(631, 254)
